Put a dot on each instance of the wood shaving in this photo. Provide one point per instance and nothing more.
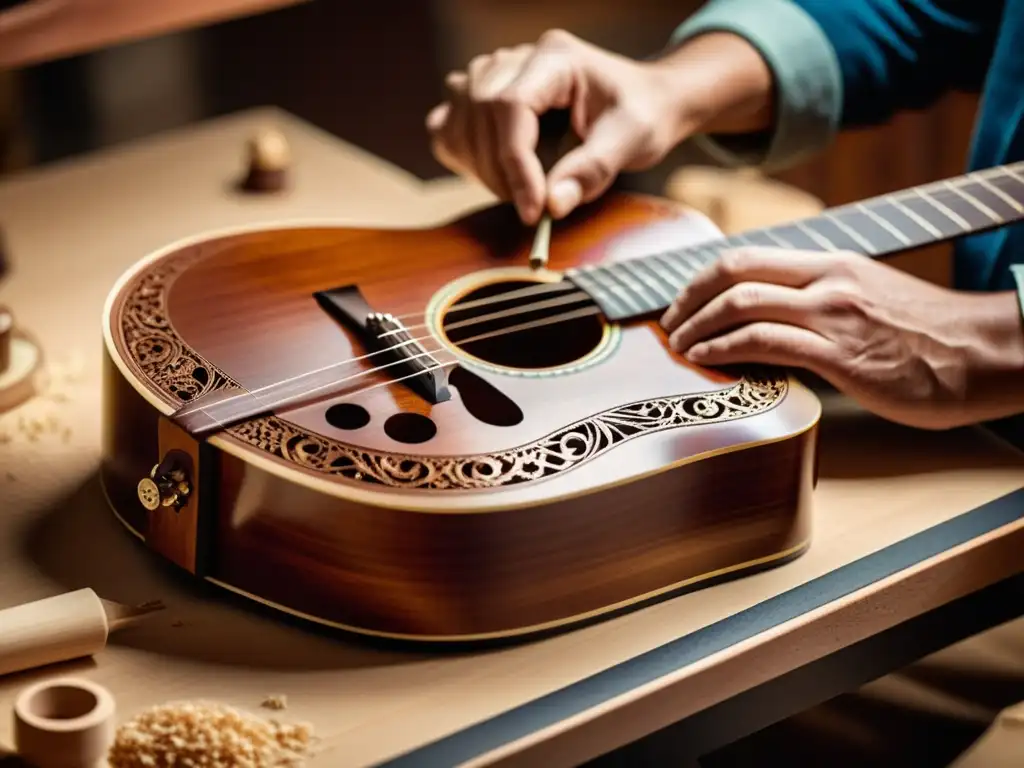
(275, 701)
(41, 418)
(208, 735)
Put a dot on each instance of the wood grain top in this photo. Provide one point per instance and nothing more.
(901, 522)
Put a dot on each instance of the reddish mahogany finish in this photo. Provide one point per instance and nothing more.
(484, 530)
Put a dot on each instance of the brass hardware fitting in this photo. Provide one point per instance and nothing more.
(167, 486)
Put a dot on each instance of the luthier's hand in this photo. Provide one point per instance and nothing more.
(910, 351)
(628, 114)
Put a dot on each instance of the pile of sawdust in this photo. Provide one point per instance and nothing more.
(207, 735)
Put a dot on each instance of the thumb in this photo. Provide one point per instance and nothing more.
(587, 171)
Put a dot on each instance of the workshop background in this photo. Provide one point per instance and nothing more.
(366, 72)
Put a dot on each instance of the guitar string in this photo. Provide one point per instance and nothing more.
(517, 310)
(948, 190)
(508, 295)
(565, 316)
(306, 394)
(570, 299)
(427, 337)
(497, 298)
(986, 174)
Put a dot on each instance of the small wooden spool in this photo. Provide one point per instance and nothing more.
(20, 361)
(64, 723)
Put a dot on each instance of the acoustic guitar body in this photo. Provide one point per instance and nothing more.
(571, 468)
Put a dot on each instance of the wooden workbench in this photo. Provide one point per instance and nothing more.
(904, 522)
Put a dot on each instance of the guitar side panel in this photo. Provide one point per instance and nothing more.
(422, 576)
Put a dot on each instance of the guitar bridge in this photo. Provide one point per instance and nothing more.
(405, 357)
(395, 337)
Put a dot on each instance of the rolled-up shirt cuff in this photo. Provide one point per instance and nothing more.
(805, 69)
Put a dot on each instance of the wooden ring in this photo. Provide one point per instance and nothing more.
(20, 381)
(67, 722)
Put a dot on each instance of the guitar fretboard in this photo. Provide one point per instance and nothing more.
(878, 227)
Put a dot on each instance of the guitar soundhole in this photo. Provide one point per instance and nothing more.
(528, 331)
(347, 416)
(410, 428)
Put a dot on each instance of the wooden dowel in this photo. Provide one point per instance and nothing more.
(61, 628)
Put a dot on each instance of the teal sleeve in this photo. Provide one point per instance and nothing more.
(808, 81)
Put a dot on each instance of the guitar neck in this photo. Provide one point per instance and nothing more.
(878, 227)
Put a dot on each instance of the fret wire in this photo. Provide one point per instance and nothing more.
(998, 192)
(683, 268)
(823, 241)
(672, 267)
(1008, 182)
(973, 201)
(757, 238)
(665, 275)
(597, 290)
(778, 239)
(880, 239)
(641, 280)
(892, 229)
(657, 273)
(945, 211)
(834, 236)
(672, 290)
(982, 195)
(612, 270)
(867, 246)
(927, 226)
(1008, 171)
(744, 238)
(701, 253)
(625, 292)
(930, 194)
(686, 258)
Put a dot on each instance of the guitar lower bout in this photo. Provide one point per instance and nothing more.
(575, 471)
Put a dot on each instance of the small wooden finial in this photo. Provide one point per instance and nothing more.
(269, 156)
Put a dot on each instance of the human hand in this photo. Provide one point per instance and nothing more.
(908, 350)
(628, 115)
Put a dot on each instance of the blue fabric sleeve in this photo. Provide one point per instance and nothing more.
(808, 80)
(848, 63)
(906, 54)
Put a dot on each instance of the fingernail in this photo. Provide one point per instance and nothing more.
(527, 211)
(696, 352)
(565, 196)
(436, 116)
